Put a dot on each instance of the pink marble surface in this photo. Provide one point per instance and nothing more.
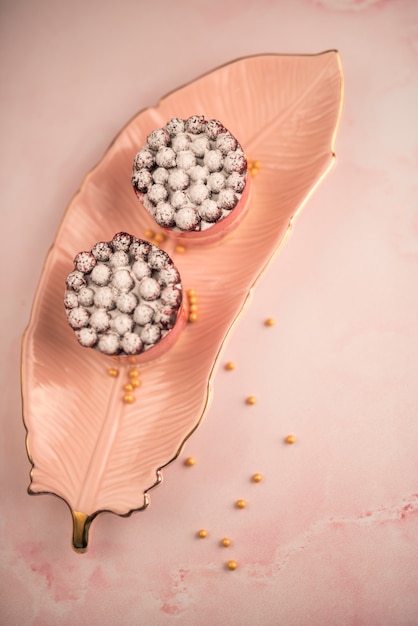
(330, 536)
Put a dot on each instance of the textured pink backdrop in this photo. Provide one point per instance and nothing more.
(331, 534)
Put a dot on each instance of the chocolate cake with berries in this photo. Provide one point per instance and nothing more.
(191, 176)
(124, 298)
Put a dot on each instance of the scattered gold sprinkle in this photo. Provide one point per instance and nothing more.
(131, 359)
(290, 439)
(113, 371)
(257, 478)
(149, 233)
(232, 565)
(192, 317)
(128, 398)
(180, 249)
(251, 400)
(225, 542)
(270, 321)
(135, 382)
(159, 238)
(190, 461)
(230, 366)
(128, 387)
(133, 373)
(253, 167)
(240, 504)
(202, 533)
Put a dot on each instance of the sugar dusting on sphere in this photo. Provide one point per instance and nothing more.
(125, 298)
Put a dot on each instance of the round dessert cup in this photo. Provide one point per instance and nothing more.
(125, 300)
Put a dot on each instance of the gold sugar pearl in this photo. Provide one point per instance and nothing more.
(180, 249)
(225, 542)
(135, 382)
(191, 292)
(192, 317)
(128, 387)
(128, 398)
(193, 308)
(290, 439)
(257, 164)
(232, 565)
(270, 321)
(149, 234)
(159, 238)
(251, 400)
(202, 534)
(190, 461)
(133, 373)
(257, 478)
(240, 504)
(113, 371)
(230, 366)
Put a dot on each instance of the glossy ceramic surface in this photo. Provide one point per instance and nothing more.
(86, 445)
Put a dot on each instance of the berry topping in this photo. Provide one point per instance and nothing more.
(175, 126)
(165, 157)
(178, 180)
(227, 199)
(186, 159)
(225, 142)
(104, 298)
(101, 274)
(181, 142)
(70, 300)
(119, 259)
(158, 139)
(157, 193)
(123, 280)
(101, 251)
(214, 128)
(100, 320)
(87, 337)
(213, 160)
(84, 262)
(86, 296)
(164, 214)
(122, 324)
(187, 219)
(121, 241)
(141, 180)
(210, 211)
(141, 269)
(144, 158)
(143, 314)
(216, 182)
(149, 289)
(131, 343)
(109, 343)
(75, 280)
(150, 334)
(160, 175)
(198, 192)
(196, 124)
(78, 317)
(126, 302)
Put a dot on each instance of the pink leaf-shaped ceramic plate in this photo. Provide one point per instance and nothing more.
(85, 444)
